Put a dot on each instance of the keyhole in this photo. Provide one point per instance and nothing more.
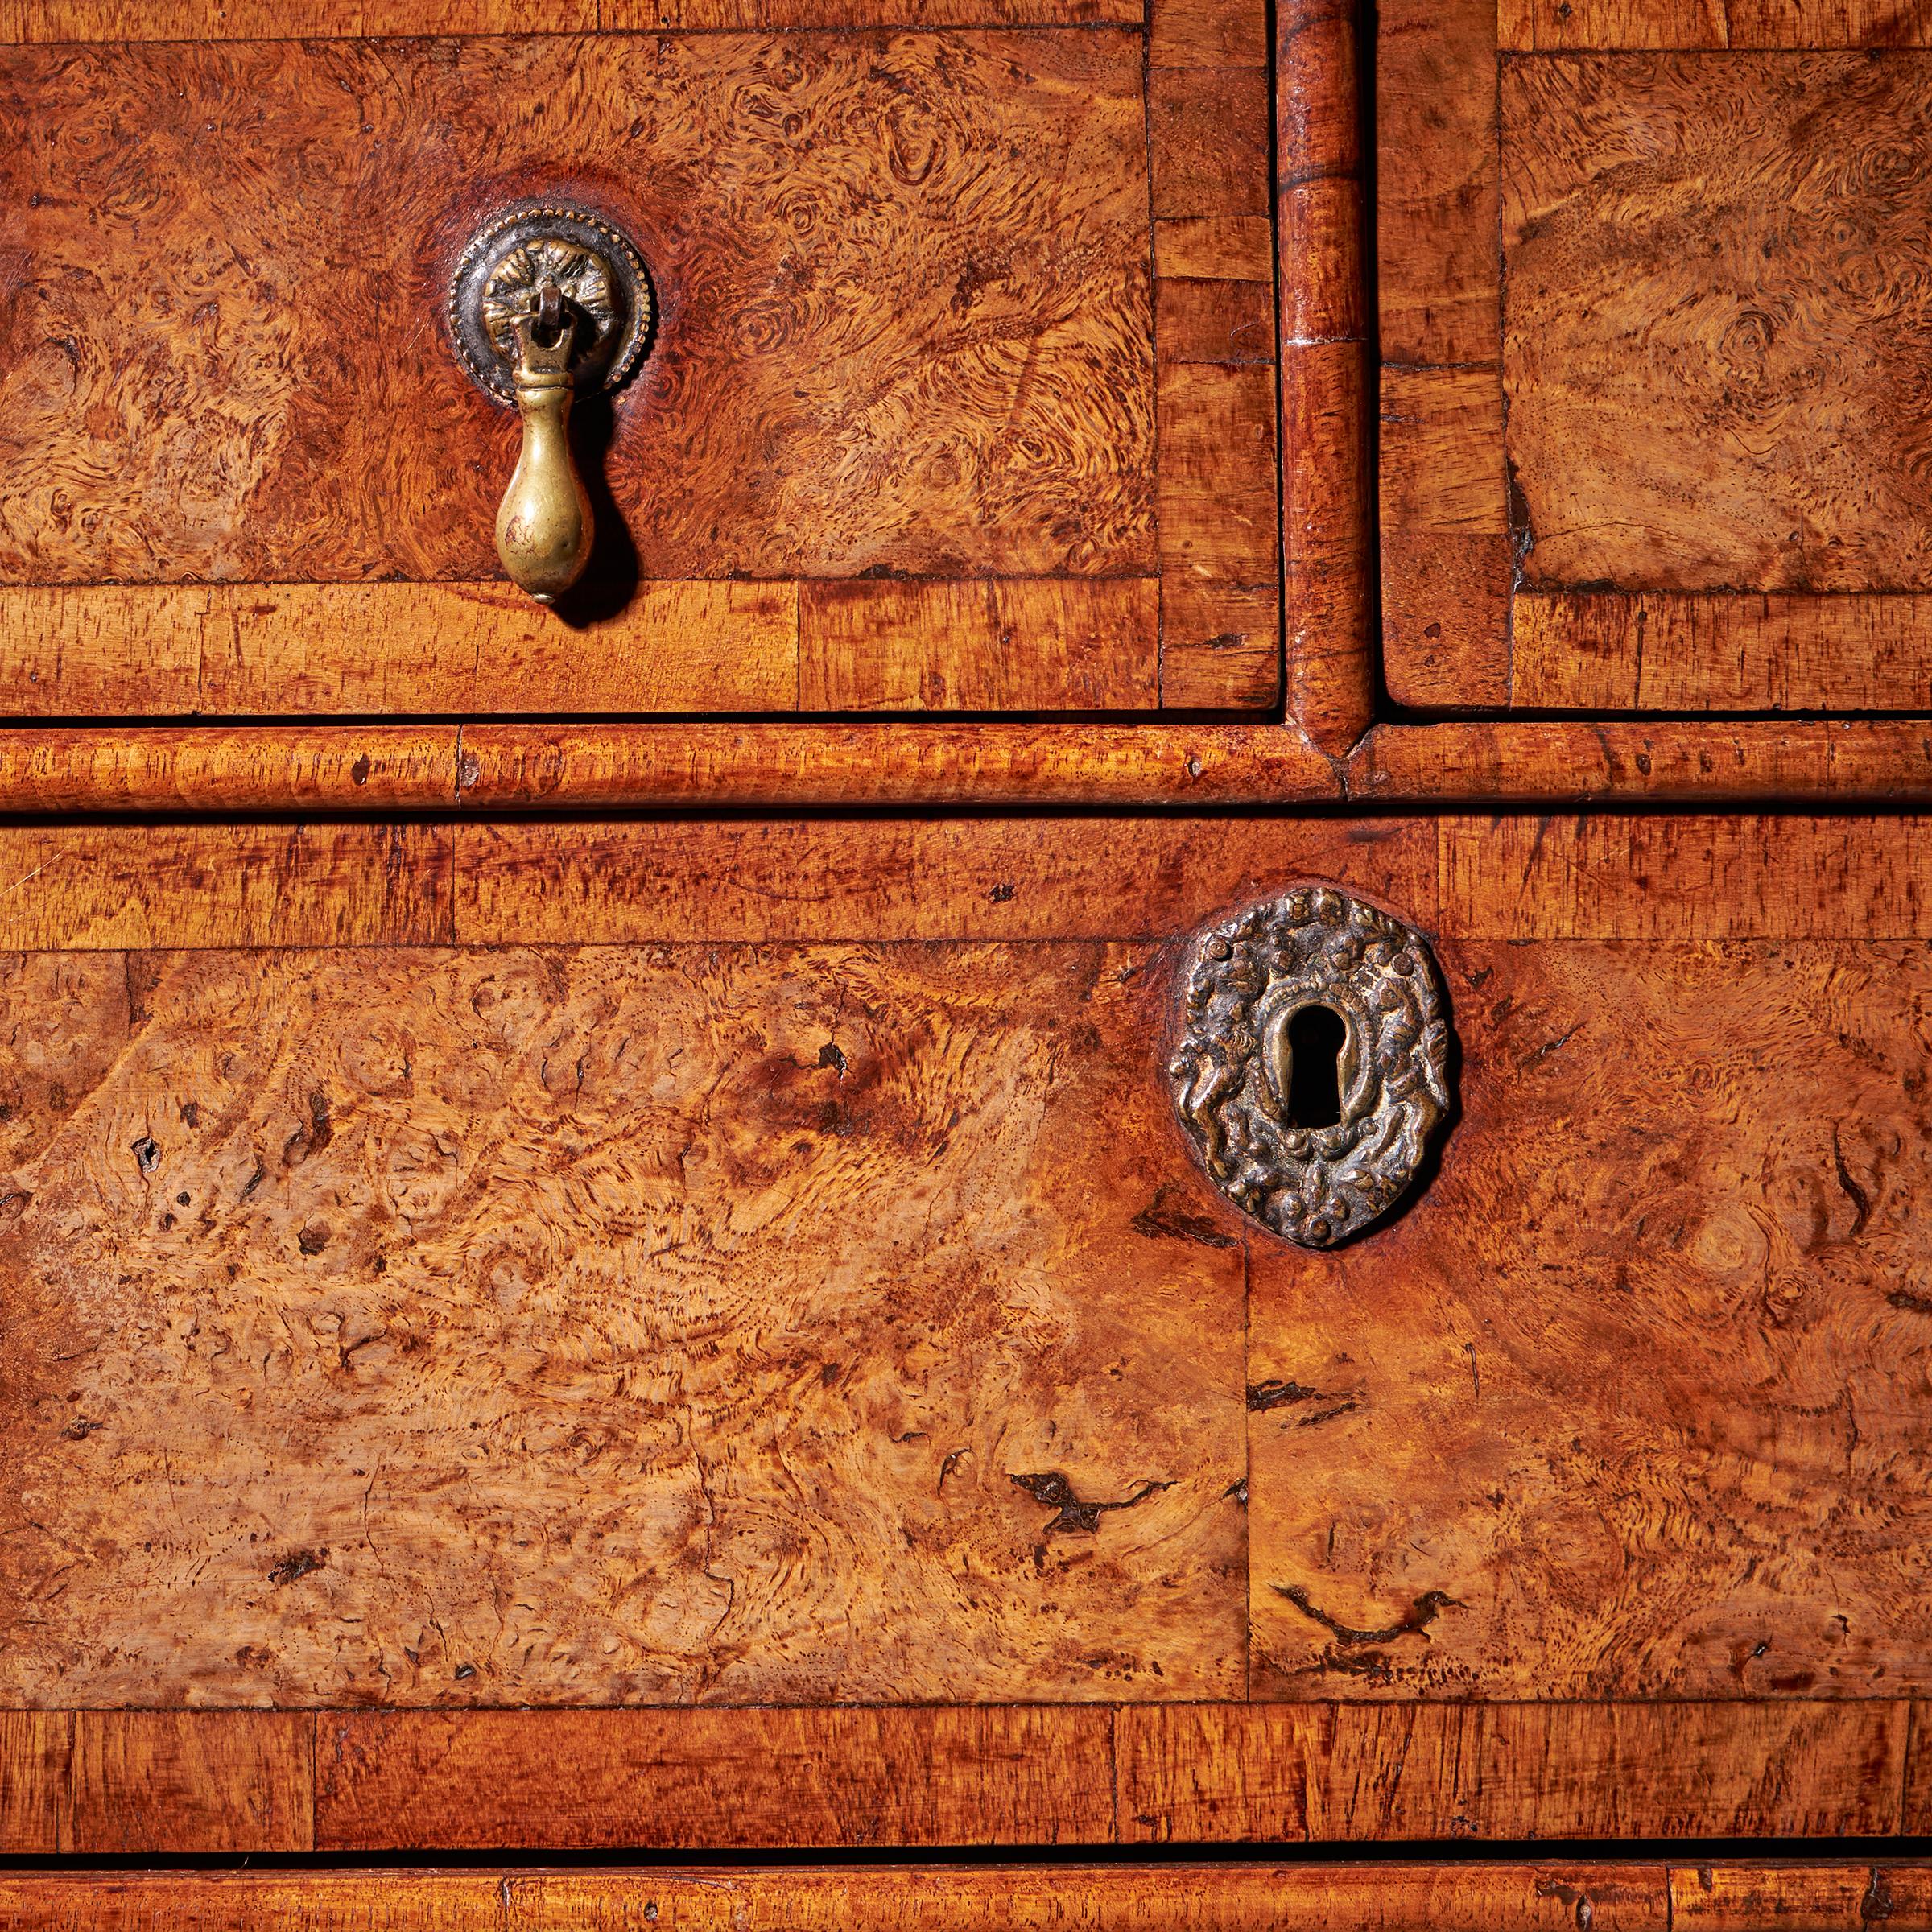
(1315, 1038)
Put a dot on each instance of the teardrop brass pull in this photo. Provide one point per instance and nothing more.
(548, 303)
(543, 523)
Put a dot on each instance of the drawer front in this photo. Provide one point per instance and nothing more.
(673, 1263)
(904, 435)
(1663, 447)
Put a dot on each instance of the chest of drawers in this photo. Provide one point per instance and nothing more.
(716, 1216)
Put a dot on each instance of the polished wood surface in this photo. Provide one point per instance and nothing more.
(1549, 1897)
(1654, 449)
(586, 1082)
(1352, 1772)
(1549, 26)
(930, 302)
(1325, 380)
(970, 208)
(1227, 1774)
(32, 21)
(385, 1206)
(361, 768)
(1715, 307)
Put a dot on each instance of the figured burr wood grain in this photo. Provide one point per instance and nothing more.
(56, 20)
(1322, 1774)
(512, 1324)
(1713, 314)
(904, 285)
(1549, 26)
(1685, 1179)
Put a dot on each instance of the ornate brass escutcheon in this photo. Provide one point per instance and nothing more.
(547, 304)
(1253, 983)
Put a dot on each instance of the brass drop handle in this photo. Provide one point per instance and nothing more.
(544, 525)
(548, 303)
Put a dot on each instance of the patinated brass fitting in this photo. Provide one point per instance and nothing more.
(546, 303)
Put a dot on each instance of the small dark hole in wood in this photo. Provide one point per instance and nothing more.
(1316, 1036)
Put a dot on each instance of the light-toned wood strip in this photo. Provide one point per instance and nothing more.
(1561, 765)
(35, 1781)
(371, 648)
(117, 651)
(1656, 651)
(786, 767)
(213, 769)
(1606, 876)
(1121, 1898)
(154, 650)
(227, 1781)
(380, 1901)
(886, 880)
(1737, 876)
(32, 21)
(1439, 270)
(1817, 1898)
(1179, 1898)
(781, 767)
(1208, 130)
(1917, 1820)
(1322, 282)
(1061, 644)
(1577, 26)
(1219, 537)
(1208, 33)
(91, 888)
(1326, 498)
(51, 769)
(1214, 320)
(1326, 507)
(1330, 1772)
(1448, 562)
(992, 1775)
(1237, 248)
